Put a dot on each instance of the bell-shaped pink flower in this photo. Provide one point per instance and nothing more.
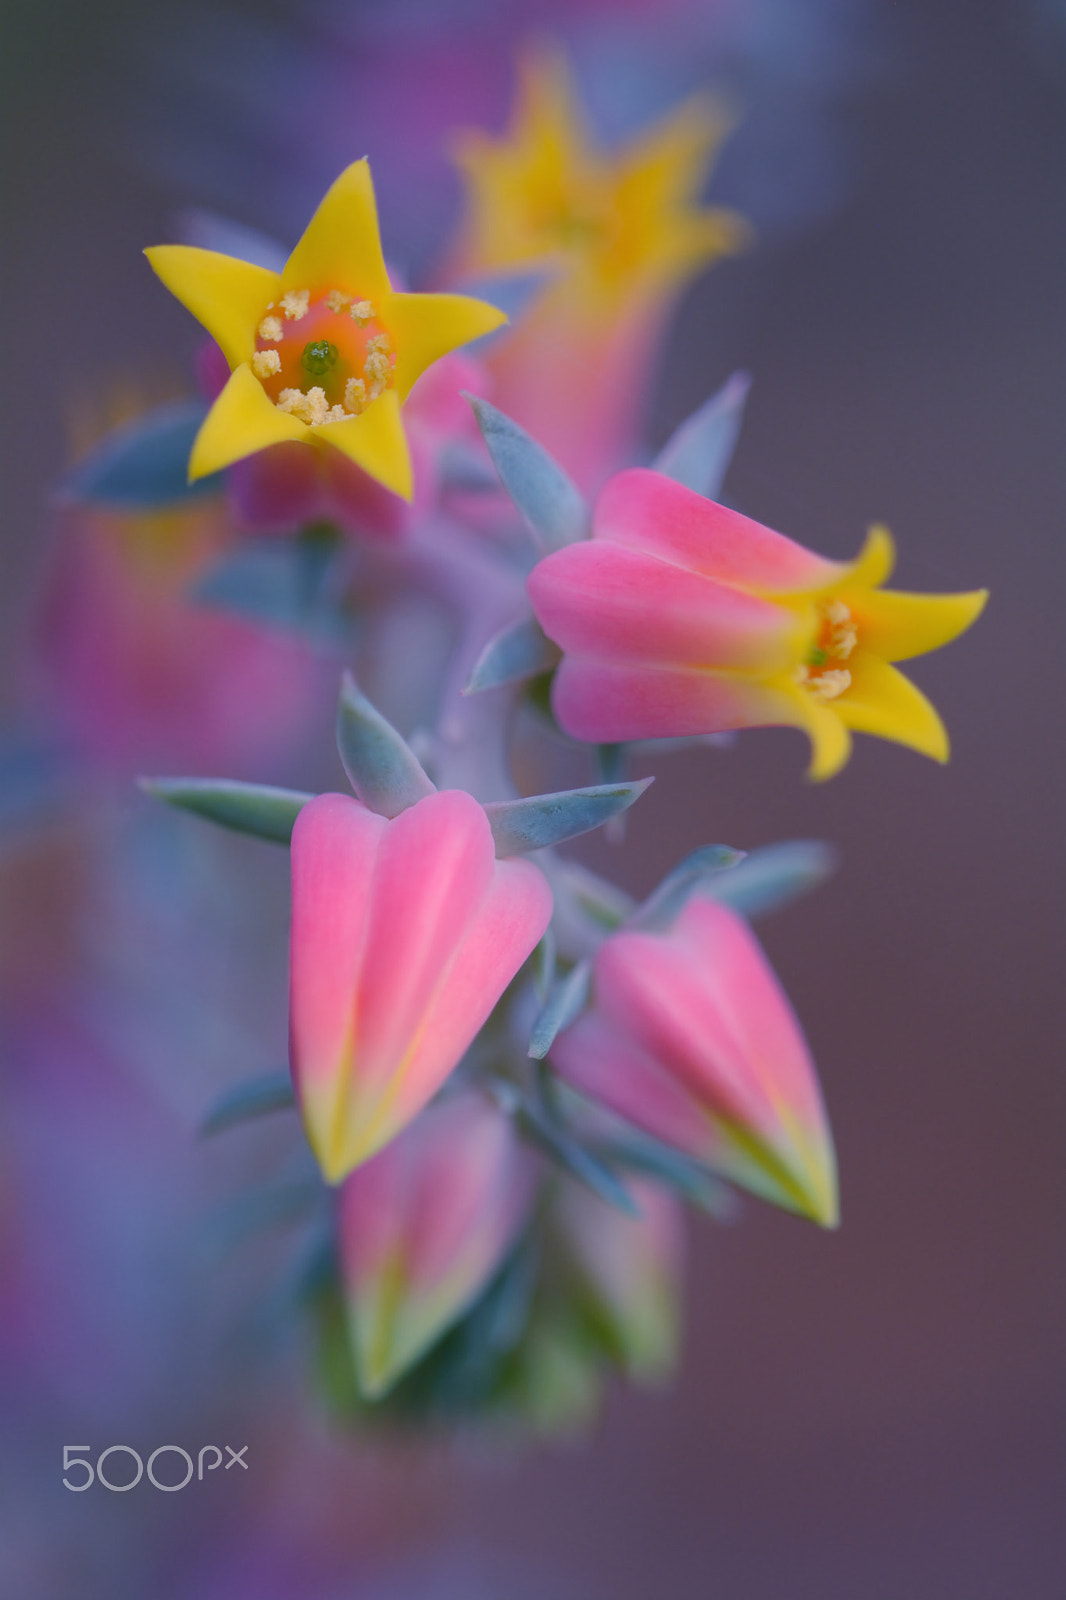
(628, 1272)
(424, 1226)
(681, 617)
(692, 1039)
(405, 933)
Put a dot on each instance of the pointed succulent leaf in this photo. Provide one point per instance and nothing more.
(548, 499)
(384, 771)
(557, 1142)
(693, 874)
(256, 1097)
(771, 877)
(144, 465)
(699, 452)
(519, 651)
(566, 1001)
(254, 808)
(692, 1180)
(544, 964)
(463, 466)
(548, 819)
(286, 582)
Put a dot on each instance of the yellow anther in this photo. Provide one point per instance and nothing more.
(355, 394)
(362, 311)
(829, 685)
(335, 300)
(336, 414)
(295, 303)
(271, 328)
(295, 403)
(380, 344)
(265, 362)
(376, 368)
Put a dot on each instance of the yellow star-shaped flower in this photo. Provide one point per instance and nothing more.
(324, 352)
(615, 225)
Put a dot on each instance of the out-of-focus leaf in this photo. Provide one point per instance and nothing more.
(641, 1153)
(548, 819)
(462, 466)
(544, 964)
(693, 874)
(699, 452)
(254, 808)
(557, 1142)
(566, 1001)
(548, 499)
(382, 768)
(519, 651)
(289, 582)
(773, 875)
(256, 1097)
(143, 465)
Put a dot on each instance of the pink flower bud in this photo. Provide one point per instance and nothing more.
(405, 933)
(628, 1272)
(692, 1039)
(423, 1227)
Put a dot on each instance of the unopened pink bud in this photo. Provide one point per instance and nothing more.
(405, 934)
(423, 1227)
(692, 1039)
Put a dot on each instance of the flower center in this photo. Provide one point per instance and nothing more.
(824, 673)
(322, 360)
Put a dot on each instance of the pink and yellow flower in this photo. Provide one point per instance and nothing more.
(620, 235)
(405, 933)
(324, 353)
(424, 1225)
(691, 1038)
(681, 617)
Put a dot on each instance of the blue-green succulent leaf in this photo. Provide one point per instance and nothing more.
(256, 1097)
(591, 1170)
(144, 465)
(254, 808)
(565, 1003)
(699, 452)
(381, 766)
(548, 819)
(549, 500)
(773, 875)
(691, 876)
(519, 651)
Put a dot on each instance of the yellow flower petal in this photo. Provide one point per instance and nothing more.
(341, 245)
(872, 566)
(896, 626)
(375, 441)
(228, 296)
(425, 327)
(242, 420)
(830, 741)
(882, 701)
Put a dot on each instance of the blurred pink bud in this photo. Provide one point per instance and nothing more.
(423, 1227)
(125, 663)
(405, 933)
(629, 1271)
(692, 1039)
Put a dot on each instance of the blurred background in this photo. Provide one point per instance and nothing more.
(876, 1412)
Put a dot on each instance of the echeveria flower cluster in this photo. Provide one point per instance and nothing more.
(512, 1078)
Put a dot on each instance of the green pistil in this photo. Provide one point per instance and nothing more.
(319, 357)
(815, 657)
